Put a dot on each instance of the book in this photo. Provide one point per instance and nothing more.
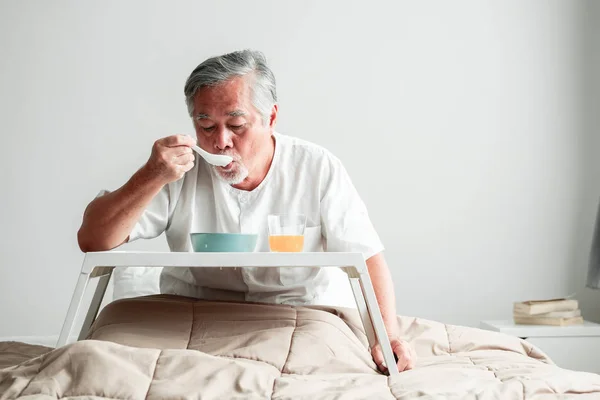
(534, 320)
(535, 307)
(552, 314)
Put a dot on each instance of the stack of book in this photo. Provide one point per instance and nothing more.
(560, 312)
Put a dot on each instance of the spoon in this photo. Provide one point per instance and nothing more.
(214, 159)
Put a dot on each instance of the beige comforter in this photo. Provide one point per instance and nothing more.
(161, 347)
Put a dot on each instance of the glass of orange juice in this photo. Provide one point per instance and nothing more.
(286, 232)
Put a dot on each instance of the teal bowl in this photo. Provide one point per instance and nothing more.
(223, 242)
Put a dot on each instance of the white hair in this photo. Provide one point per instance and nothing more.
(219, 69)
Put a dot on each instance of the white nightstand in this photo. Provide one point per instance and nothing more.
(575, 347)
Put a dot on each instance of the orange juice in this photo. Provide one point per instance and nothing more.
(286, 243)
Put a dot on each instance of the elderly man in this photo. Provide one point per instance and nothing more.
(233, 105)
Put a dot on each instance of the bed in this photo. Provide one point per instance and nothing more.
(162, 346)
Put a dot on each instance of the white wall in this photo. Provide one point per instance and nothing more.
(460, 123)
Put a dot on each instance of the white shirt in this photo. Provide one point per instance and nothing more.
(303, 178)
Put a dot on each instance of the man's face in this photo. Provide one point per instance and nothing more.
(227, 122)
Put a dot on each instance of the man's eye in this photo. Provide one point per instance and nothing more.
(236, 126)
(208, 129)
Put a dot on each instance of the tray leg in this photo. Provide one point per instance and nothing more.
(378, 325)
(363, 311)
(94, 305)
(76, 299)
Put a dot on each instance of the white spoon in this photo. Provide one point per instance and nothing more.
(214, 159)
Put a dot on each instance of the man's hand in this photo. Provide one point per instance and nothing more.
(171, 158)
(109, 219)
(384, 291)
(402, 350)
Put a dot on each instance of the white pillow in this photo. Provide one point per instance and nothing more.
(138, 281)
(135, 281)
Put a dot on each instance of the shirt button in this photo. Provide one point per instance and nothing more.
(243, 199)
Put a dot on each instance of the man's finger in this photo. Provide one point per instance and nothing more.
(187, 166)
(184, 159)
(377, 355)
(402, 363)
(178, 140)
(404, 354)
(181, 150)
(175, 152)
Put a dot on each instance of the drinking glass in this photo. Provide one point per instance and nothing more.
(286, 232)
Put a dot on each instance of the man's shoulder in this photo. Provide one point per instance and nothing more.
(303, 148)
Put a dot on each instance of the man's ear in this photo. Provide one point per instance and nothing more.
(273, 116)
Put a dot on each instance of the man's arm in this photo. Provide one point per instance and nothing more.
(384, 291)
(109, 219)
(347, 227)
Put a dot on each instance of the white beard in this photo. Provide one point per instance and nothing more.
(235, 176)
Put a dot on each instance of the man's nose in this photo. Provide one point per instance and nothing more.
(223, 139)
